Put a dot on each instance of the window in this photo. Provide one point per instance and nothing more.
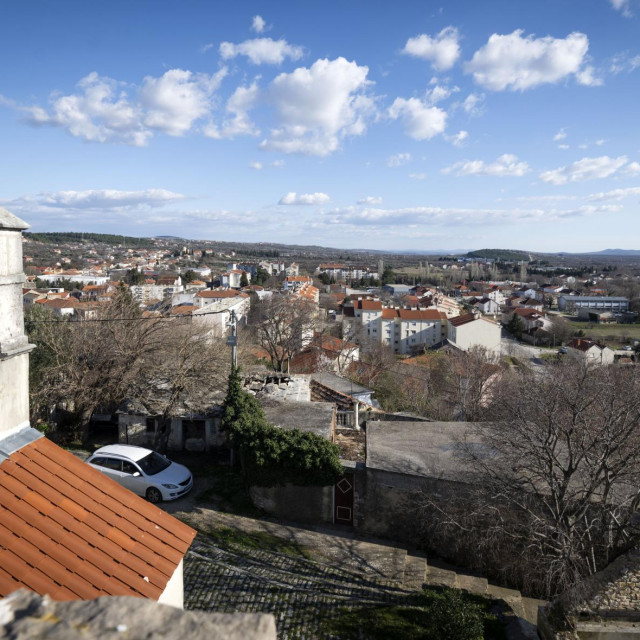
(129, 467)
(109, 463)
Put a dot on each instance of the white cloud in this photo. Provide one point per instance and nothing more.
(175, 100)
(441, 50)
(439, 93)
(239, 123)
(94, 200)
(624, 6)
(256, 165)
(632, 169)
(304, 198)
(586, 77)
(442, 216)
(585, 169)
(506, 165)
(615, 194)
(458, 139)
(278, 163)
(99, 112)
(398, 159)
(421, 122)
(371, 200)
(261, 50)
(561, 135)
(319, 106)
(258, 24)
(564, 147)
(513, 62)
(417, 176)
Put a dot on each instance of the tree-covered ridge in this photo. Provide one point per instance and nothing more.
(74, 236)
(499, 254)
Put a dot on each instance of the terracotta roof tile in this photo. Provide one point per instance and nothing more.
(68, 531)
(460, 320)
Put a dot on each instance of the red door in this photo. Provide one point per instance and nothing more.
(343, 500)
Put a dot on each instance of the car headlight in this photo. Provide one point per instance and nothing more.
(170, 486)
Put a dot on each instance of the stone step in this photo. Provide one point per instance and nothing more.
(531, 609)
(415, 571)
(439, 577)
(472, 584)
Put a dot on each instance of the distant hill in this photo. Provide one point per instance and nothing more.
(499, 254)
(614, 252)
(60, 237)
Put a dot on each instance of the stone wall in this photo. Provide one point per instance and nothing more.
(27, 616)
(312, 505)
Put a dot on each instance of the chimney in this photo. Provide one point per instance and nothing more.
(14, 346)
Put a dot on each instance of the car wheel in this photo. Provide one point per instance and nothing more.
(154, 495)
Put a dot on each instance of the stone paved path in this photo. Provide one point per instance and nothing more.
(300, 593)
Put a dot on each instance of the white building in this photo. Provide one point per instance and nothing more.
(469, 331)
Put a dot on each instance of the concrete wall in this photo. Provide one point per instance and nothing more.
(173, 593)
(302, 504)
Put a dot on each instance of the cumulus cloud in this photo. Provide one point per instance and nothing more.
(319, 106)
(417, 176)
(258, 24)
(561, 135)
(371, 200)
(175, 100)
(518, 63)
(420, 121)
(398, 159)
(256, 165)
(238, 123)
(506, 165)
(261, 50)
(304, 198)
(441, 50)
(585, 169)
(102, 110)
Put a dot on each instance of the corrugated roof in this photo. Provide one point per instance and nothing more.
(68, 531)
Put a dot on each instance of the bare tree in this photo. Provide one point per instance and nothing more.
(556, 478)
(121, 355)
(282, 325)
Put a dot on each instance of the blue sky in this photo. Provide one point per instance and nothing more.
(412, 125)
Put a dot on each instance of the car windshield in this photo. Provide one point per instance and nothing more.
(153, 463)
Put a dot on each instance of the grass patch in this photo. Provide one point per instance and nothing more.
(242, 542)
(550, 357)
(432, 614)
(611, 334)
(229, 492)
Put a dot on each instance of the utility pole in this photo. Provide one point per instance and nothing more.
(232, 340)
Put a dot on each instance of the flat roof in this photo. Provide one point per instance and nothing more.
(311, 417)
(338, 383)
(423, 449)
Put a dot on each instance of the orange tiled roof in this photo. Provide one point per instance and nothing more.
(460, 320)
(68, 531)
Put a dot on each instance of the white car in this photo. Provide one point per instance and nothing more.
(143, 471)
